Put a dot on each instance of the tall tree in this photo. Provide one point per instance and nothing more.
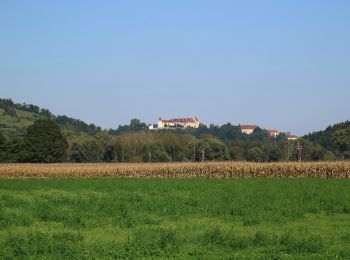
(255, 154)
(2, 140)
(212, 149)
(2, 147)
(76, 153)
(45, 142)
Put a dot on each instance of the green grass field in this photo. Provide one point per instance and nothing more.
(169, 218)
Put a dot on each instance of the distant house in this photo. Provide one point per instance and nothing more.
(248, 129)
(292, 137)
(176, 123)
(273, 132)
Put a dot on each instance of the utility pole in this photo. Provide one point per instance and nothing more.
(202, 155)
(194, 152)
(299, 151)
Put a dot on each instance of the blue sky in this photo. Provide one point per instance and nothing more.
(279, 64)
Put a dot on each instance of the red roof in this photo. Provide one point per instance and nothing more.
(181, 120)
(272, 131)
(252, 127)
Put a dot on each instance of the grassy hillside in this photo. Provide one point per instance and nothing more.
(15, 118)
(10, 124)
(154, 218)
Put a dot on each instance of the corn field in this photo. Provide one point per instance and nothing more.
(220, 170)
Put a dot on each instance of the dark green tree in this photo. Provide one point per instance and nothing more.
(213, 149)
(255, 154)
(2, 140)
(274, 154)
(76, 153)
(92, 152)
(341, 139)
(15, 149)
(156, 153)
(237, 153)
(318, 153)
(2, 147)
(136, 125)
(45, 143)
(11, 112)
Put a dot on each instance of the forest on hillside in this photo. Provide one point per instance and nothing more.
(50, 138)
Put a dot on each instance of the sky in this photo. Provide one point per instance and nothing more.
(279, 64)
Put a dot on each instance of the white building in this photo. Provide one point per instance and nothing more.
(248, 129)
(273, 133)
(292, 137)
(178, 123)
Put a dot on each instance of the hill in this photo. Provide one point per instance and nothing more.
(334, 138)
(15, 118)
(134, 143)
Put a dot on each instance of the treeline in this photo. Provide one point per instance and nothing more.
(334, 138)
(44, 142)
(10, 107)
(82, 142)
(66, 123)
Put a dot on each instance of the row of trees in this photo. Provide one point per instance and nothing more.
(10, 108)
(44, 142)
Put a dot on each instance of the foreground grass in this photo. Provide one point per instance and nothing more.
(172, 218)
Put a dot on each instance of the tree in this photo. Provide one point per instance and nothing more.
(318, 153)
(236, 153)
(179, 147)
(11, 112)
(76, 153)
(329, 156)
(45, 112)
(255, 154)
(15, 149)
(213, 149)
(136, 125)
(2, 147)
(45, 143)
(260, 135)
(92, 151)
(157, 154)
(2, 140)
(341, 139)
(274, 155)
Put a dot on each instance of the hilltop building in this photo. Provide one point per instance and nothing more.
(248, 129)
(292, 137)
(273, 133)
(176, 123)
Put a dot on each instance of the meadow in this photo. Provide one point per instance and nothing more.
(174, 218)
